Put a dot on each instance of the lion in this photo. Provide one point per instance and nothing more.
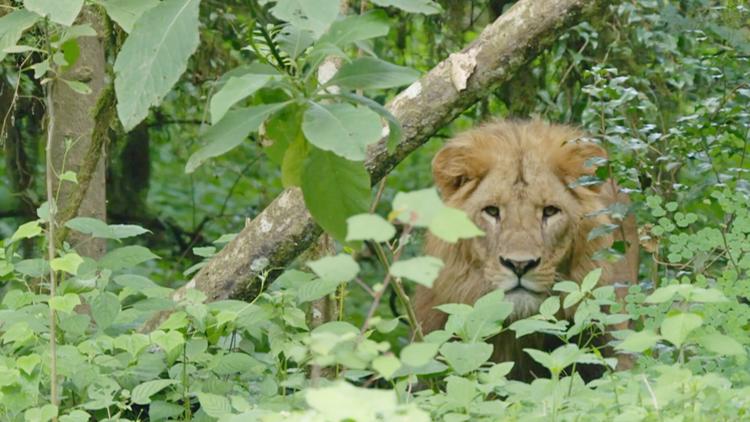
(515, 180)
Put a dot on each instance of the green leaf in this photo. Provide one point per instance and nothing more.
(466, 357)
(63, 12)
(65, 303)
(722, 345)
(315, 289)
(676, 328)
(314, 16)
(68, 263)
(423, 269)
(372, 73)
(572, 298)
(229, 133)
(294, 162)
(12, 26)
(104, 309)
(638, 342)
(126, 12)
(153, 57)
(100, 229)
(527, 326)
(550, 306)
(590, 280)
(451, 224)
(28, 363)
(69, 176)
(341, 267)
(294, 40)
(334, 190)
(663, 294)
(566, 286)
(386, 365)
(41, 414)
(76, 416)
(27, 231)
(167, 341)
(417, 208)
(427, 7)
(342, 129)
(126, 257)
(699, 294)
(234, 90)
(284, 129)
(369, 227)
(355, 28)
(142, 393)
(394, 127)
(233, 363)
(418, 354)
(214, 405)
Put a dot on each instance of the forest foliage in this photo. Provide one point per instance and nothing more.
(222, 105)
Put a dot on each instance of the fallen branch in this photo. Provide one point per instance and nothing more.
(285, 228)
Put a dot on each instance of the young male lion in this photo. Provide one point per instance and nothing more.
(514, 179)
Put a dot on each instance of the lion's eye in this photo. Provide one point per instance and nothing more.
(492, 211)
(549, 211)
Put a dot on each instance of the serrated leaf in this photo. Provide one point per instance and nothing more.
(369, 227)
(68, 263)
(332, 207)
(234, 90)
(104, 309)
(372, 73)
(466, 357)
(676, 328)
(427, 7)
(65, 303)
(126, 257)
(342, 129)
(12, 26)
(423, 269)
(418, 354)
(639, 342)
(63, 12)
(341, 267)
(451, 224)
(154, 57)
(214, 405)
(229, 133)
(142, 393)
(386, 365)
(126, 12)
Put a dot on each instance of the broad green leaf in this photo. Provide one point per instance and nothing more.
(466, 357)
(294, 40)
(451, 224)
(423, 269)
(78, 416)
(28, 363)
(132, 343)
(639, 342)
(167, 340)
(418, 354)
(65, 303)
(590, 280)
(566, 286)
(572, 298)
(315, 289)
(722, 344)
(312, 15)
(126, 257)
(342, 129)
(663, 294)
(126, 12)
(153, 57)
(284, 129)
(387, 325)
(341, 267)
(234, 90)
(78, 87)
(369, 227)
(41, 414)
(699, 294)
(68, 263)
(69, 176)
(527, 326)
(63, 12)
(427, 7)
(334, 190)
(386, 365)
(394, 127)
(229, 133)
(417, 208)
(26, 231)
(341, 401)
(142, 393)
(486, 316)
(294, 162)
(372, 73)
(355, 28)
(104, 309)
(233, 363)
(214, 405)
(676, 328)
(100, 229)
(12, 26)
(550, 306)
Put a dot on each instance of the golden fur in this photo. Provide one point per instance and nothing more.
(521, 167)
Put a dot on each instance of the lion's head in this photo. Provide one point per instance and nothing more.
(515, 180)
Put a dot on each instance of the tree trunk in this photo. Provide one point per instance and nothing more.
(76, 147)
(285, 228)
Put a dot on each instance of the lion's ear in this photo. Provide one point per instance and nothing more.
(579, 158)
(458, 163)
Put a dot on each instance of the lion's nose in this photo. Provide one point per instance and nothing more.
(519, 268)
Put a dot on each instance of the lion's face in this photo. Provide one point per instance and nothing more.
(513, 180)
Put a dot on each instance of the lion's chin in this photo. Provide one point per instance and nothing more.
(525, 303)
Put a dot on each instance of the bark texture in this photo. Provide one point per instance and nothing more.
(285, 228)
(76, 126)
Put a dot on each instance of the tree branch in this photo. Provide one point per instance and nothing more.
(285, 228)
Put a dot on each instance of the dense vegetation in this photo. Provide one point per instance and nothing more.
(220, 105)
